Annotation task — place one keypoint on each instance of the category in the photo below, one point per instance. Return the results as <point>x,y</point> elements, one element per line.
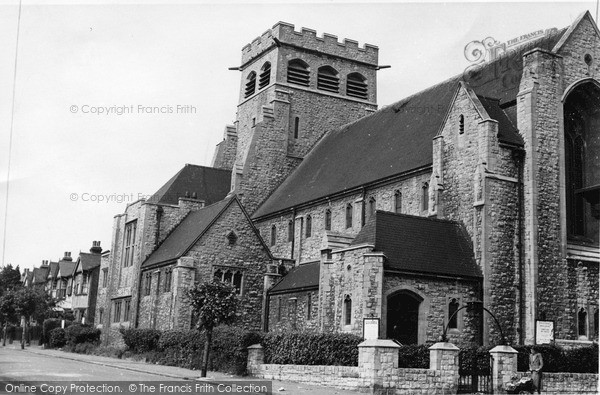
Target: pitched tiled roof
<point>183,237</point>
<point>66,268</point>
<point>89,261</point>
<point>53,270</point>
<point>40,274</point>
<point>420,244</point>
<point>398,138</point>
<point>209,184</point>
<point>302,276</point>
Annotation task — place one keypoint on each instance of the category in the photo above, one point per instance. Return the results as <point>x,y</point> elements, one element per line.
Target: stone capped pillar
<point>377,360</point>
<point>256,357</point>
<point>504,367</point>
<point>443,357</point>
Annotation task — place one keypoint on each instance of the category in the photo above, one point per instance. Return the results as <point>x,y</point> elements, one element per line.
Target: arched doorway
<point>403,317</point>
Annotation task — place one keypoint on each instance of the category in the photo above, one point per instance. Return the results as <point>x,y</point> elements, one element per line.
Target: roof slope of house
<point>183,237</point>
<point>207,183</point>
<point>40,274</point>
<point>300,277</point>
<point>66,268</point>
<point>398,138</point>
<point>420,244</point>
<point>53,270</point>
<point>89,261</point>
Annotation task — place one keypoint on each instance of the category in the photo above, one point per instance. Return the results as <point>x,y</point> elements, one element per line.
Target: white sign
<point>371,328</point>
<point>544,332</point>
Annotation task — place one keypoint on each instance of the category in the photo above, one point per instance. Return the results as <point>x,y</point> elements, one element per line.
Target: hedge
<point>556,359</point>
<point>298,348</point>
<point>57,338</point>
<point>78,334</point>
<point>414,356</point>
<point>180,348</point>
<point>140,340</point>
<point>229,349</point>
<point>48,325</point>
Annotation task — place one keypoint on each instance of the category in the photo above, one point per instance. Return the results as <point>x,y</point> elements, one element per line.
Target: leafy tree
<point>214,304</point>
<point>8,313</point>
<point>9,278</point>
<point>31,304</point>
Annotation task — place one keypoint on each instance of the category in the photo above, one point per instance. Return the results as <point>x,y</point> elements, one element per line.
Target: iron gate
<point>475,372</point>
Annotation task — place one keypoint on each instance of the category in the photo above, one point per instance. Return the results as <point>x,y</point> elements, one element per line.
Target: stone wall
<point>567,383</point>
<point>289,312</point>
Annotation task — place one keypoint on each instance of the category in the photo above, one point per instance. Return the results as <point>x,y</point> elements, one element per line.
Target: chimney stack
<point>44,263</point>
<point>96,249</point>
<point>67,256</point>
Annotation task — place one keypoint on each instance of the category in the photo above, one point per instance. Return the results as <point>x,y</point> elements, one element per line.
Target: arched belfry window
<point>273,235</point>
<point>372,207</point>
<point>250,85</point>
<point>356,86</point>
<point>425,197</point>
<point>265,75</point>
<point>298,72</point>
<point>348,215</point>
<point>582,169</point>
<point>308,226</point>
<point>398,202</point>
<point>327,79</point>
<point>328,219</point>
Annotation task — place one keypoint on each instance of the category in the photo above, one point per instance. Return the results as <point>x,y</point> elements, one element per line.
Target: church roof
<point>209,184</point>
<point>185,235</point>
<point>421,245</point>
<point>89,261</point>
<point>398,138</point>
<point>299,278</point>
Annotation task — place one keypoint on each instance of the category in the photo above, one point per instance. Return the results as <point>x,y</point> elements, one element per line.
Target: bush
<point>48,325</point>
<point>229,349</point>
<point>581,360</point>
<point>57,338</point>
<point>553,358</point>
<point>140,340</point>
<point>414,356</point>
<point>85,348</point>
<point>181,348</point>
<point>300,348</point>
<point>77,334</point>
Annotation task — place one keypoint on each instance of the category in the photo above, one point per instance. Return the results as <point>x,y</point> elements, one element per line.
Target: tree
<point>30,304</point>
<point>8,313</point>
<point>214,304</point>
<point>9,278</point>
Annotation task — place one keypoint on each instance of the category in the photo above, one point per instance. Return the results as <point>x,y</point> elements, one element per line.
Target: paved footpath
<point>171,373</point>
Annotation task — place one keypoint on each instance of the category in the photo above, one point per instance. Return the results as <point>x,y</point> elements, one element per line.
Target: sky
<point>72,169</point>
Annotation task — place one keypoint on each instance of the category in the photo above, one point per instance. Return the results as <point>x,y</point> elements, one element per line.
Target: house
<point>85,279</point>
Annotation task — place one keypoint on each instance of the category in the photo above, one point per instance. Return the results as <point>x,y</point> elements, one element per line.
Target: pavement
<point>176,373</point>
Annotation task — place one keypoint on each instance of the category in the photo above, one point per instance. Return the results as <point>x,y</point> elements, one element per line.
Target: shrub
<point>229,349</point>
<point>77,334</point>
<point>140,340</point>
<point>57,338</point>
<point>85,348</point>
<point>181,348</point>
<point>301,348</point>
<point>48,325</point>
<point>581,360</point>
<point>553,358</point>
<point>414,356</point>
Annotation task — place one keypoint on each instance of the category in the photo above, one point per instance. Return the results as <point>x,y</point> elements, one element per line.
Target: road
<point>34,366</point>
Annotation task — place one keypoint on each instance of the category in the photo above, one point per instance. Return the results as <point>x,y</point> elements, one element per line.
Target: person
<point>536,363</point>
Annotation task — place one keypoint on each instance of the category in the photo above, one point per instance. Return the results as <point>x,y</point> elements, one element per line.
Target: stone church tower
<point>295,87</point>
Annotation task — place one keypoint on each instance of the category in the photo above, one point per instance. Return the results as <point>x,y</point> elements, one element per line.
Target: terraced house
<point>483,188</point>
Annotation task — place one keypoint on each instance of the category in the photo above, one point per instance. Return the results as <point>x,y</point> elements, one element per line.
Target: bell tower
<point>295,87</point>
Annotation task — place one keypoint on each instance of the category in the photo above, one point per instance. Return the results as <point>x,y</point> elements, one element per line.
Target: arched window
<point>298,72</point>
<point>347,310</point>
<point>582,322</point>
<point>452,316</point>
<point>308,226</point>
<point>596,324</point>
<point>250,84</point>
<point>218,275</point>
<point>227,276</point>
<point>398,202</point>
<point>372,207</point>
<point>290,230</point>
<point>356,86</point>
<point>237,282</point>
<point>327,79</point>
<point>461,124</point>
<point>348,215</point>
<point>265,75</point>
<point>296,127</point>
<point>328,219</point>
<point>425,197</point>
<point>273,235</point>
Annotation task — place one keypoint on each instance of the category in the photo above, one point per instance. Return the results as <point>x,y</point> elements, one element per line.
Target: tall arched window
<point>425,197</point>
<point>290,230</point>
<point>250,85</point>
<point>452,316</point>
<point>348,215</point>
<point>398,202</point>
<point>328,219</point>
<point>218,275</point>
<point>372,207</point>
<point>273,235</point>
<point>265,75</point>
<point>461,124</point>
<point>308,226</point>
<point>296,127</point>
<point>582,322</point>
<point>347,310</point>
<point>356,86</point>
<point>237,282</point>
<point>327,79</point>
<point>298,72</point>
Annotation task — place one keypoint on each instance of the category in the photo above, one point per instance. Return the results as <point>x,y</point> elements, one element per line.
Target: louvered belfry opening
<point>250,84</point>
<point>328,80</point>
<point>265,75</point>
<point>298,72</point>
<point>356,86</point>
